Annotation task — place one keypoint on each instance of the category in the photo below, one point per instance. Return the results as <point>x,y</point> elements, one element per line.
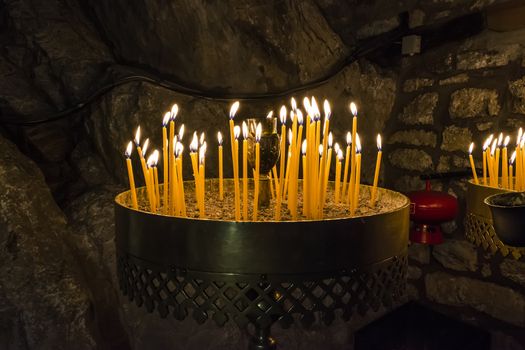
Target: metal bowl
<point>508,216</point>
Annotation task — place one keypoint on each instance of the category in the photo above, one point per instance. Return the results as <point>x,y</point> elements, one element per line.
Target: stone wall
<point>449,97</point>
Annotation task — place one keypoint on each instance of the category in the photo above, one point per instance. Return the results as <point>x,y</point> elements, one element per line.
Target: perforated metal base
<point>479,230</point>
<point>261,299</point>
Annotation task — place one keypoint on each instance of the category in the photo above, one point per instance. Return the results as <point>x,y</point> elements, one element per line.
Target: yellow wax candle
<point>347,161</point>
<point>305,178</point>
<point>275,180</point>
<point>233,111</point>
<point>290,166</point>
<point>202,181</point>
<point>131,178</point>
<point>245,171</point>
<point>237,132</point>
<point>165,162</point>
<point>258,133</point>
<point>282,164</point>
<point>151,183</point>
<point>355,202</point>
<point>472,165</point>
<point>180,181</point>
<point>272,186</point>
<point>351,185</point>
<point>511,170</point>
<point>484,167</point>
<point>505,163</point>
<point>173,186</point>
<point>157,189</point>
<point>373,195</point>
<point>517,180</point>
<point>311,169</point>
<point>194,146</point>
<point>295,163</point>
<point>326,173</point>
<point>142,152</point>
<point>493,178</point>
<point>338,176</point>
<point>221,182</point>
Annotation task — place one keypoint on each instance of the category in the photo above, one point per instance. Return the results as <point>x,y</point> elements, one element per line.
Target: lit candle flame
<point>153,159</point>
<point>520,134</point>
<point>306,104</point>
<point>379,142</point>
<point>471,148</point>
<point>282,114</point>
<point>269,115</point>
<point>237,131</point>
<point>244,130</point>
<point>337,148</point>
<point>219,138</point>
<point>174,111</point>
<point>303,148</point>
<point>166,119</point>
<point>357,143</point>
<point>194,145</point>
<point>327,110</point>
<point>353,109</point>
<point>494,145</point>
<point>506,142</point>
<point>512,158</point>
<point>330,140</point>
<point>315,110</point>
<point>290,136</point>
<point>137,137</point>
<point>293,103</point>
<point>179,148</point>
<point>202,153</point>
<point>233,109</point>
<point>486,144</point>
<point>129,149</point>
<point>181,132</point>
<point>258,132</point>
<point>299,116</point>
<point>291,115</point>
<point>174,142</point>
<point>500,139</point>
<point>349,138</point>
<point>145,147</point>
<point>320,150</point>
<point>201,140</point>
<point>340,155</point>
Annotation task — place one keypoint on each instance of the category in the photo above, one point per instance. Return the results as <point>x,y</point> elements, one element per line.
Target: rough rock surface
<point>456,139</point>
<point>419,253</point>
<point>474,102</point>
<point>412,85</point>
<point>411,159</point>
<point>420,111</point>
<point>517,90</point>
<point>413,137</point>
<point>455,79</point>
<point>499,302</point>
<point>457,255</point>
<point>478,60</point>
<point>513,270</point>
<point>45,303</point>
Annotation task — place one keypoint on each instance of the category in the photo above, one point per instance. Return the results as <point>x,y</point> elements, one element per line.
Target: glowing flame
<point>290,136</point>
<point>330,139</point>
<point>353,109</point>
<point>258,132</point>
<point>201,140</point>
<point>202,153</point>
<point>486,144</point>
<point>292,115</point>
<point>349,138</point>
<point>299,117</point>
<point>357,143</point>
<point>282,114</point>
<point>315,110</point>
<point>494,145</point>
<point>337,148</point>
<point>166,119</point>
<point>520,134</point>
<point>340,155</point>
<point>174,111</point>
<point>181,132</point>
<point>506,142</point>
<point>471,148</point>
<point>303,148</point>
<point>244,130</point>
<point>137,137</point>
<point>237,131</point>
<point>293,103</point>
<point>320,150</point>
<point>379,142</point>
<point>153,159</point>
<point>306,104</point>
<point>269,115</point>
<point>194,145</point>
<point>500,139</point>
<point>233,109</point>
<point>145,147</point>
<point>179,148</point>
<point>129,149</point>
<point>512,158</point>
<point>327,110</point>
<point>219,138</point>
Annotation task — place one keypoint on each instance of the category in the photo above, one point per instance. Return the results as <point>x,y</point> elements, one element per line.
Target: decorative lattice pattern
<point>261,300</point>
<point>480,231</point>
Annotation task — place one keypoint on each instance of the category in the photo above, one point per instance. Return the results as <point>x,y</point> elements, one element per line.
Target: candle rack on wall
<point>260,273</point>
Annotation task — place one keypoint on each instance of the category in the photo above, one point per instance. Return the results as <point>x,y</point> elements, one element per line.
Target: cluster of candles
<point>310,143</point>
<point>498,169</point>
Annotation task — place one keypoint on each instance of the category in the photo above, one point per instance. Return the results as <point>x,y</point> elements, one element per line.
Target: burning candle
<point>505,163</point>
<point>326,171</point>
<point>355,202</point>
<point>173,115</point>
<point>511,161</point>
<point>156,177</point>
<point>236,134</point>
<point>244,171</point>
<point>151,180</point>
<point>221,184</point>
<point>376,173</point>
<point>518,160</point>
<point>305,178</point>
<point>351,186</point>
<point>165,161</point>
<point>194,147</point>
<point>486,144</point>
<point>131,178</point>
<point>145,169</point>
<point>202,179</point>
<point>233,110</point>
<point>493,179</point>
<point>347,159</point>
<point>339,155</point>
<point>472,166</point>
<point>288,161</point>
<point>258,133</point>
<point>179,149</point>
<point>173,183</point>
<point>496,163</point>
<point>282,116</point>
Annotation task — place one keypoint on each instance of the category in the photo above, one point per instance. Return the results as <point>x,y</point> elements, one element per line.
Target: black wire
<point>199,93</point>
